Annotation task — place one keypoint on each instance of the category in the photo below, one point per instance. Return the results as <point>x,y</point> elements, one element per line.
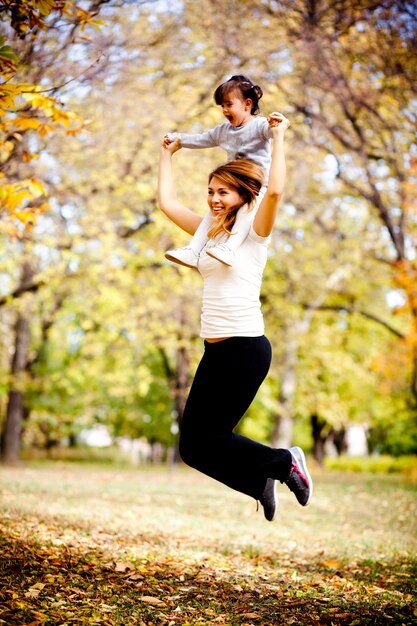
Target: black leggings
<point>226,381</point>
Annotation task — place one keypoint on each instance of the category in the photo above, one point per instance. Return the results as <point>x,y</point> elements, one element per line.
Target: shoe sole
<point>301,460</point>
<point>217,259</point>
<point>276,500</point>
<point>174,260</point>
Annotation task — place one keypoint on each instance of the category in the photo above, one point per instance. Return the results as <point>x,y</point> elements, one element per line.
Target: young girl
<point>244,135</point>
<point>237,355</point>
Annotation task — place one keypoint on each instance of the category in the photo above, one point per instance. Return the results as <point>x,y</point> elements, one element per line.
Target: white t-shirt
<point>231,295</point>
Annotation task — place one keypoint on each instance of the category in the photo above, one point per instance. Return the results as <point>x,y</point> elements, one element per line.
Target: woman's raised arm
<point>167,195</point>
<point>266,214</point>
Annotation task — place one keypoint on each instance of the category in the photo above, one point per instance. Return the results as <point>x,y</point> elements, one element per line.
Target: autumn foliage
<point>28,109</point>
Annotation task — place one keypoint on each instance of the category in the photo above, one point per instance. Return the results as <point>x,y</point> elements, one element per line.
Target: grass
<point>92,545</point>
<point>384,463</point>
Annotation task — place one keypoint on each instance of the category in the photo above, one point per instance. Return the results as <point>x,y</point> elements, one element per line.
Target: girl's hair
<point>247,177</point>
<point>244,87</point>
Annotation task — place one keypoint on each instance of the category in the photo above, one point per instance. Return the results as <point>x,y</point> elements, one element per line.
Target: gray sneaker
<point>269,500</point>
<point>183,256</point>
<point>299,481</point>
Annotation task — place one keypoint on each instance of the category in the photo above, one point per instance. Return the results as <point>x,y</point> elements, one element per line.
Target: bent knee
<point>188,452</point>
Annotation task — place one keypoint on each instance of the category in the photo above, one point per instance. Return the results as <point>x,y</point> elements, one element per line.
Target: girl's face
<point>236,110</point>
<point>222,198</point>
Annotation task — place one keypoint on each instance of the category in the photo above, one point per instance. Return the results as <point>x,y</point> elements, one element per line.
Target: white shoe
<point>222,253</point>
<point>183,256</point>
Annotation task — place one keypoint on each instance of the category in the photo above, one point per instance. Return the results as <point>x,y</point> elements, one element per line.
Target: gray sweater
<point>250,141</point>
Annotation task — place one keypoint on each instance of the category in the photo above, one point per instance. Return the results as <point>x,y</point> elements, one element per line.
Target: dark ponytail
<point>244,86</point>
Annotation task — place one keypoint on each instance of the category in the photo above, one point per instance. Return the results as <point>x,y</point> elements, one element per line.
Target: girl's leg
<point>225,251</point>
<point>237,367</point>
<point>188,255</point>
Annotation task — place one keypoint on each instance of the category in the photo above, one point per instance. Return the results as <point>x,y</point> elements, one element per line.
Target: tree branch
<point>351,310</point>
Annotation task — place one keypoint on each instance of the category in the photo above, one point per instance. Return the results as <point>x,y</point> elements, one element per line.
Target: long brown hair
<point>247,178</point>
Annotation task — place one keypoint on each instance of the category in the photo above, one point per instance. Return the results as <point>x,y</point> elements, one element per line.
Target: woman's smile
<point>221,198</point>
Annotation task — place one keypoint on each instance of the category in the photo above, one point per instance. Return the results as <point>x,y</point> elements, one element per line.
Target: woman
<point>237,354</point>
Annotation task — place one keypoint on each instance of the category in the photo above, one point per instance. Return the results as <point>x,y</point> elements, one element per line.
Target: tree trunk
<point>319,438</point>
<point>414,378</point>
<point>12,429</point>
<point>283,427</point>
<point>181,386</point>
<point>15,413</point>
<point>339,440</point>
<point>293,331</point>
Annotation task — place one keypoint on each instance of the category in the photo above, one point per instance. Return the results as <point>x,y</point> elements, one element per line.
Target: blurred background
<point>99,334</point>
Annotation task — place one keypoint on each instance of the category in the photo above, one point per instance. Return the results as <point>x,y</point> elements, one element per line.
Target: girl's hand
<point>171,147</point>
<point>167,139</point>
<point>278,120</point>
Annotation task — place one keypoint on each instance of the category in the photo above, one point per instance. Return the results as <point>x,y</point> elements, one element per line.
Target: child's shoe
<point>183,256</point>
<point>222,253</point>
<point>299,481</point>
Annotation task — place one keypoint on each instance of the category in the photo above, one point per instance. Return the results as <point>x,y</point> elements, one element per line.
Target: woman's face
<point>222,198</point>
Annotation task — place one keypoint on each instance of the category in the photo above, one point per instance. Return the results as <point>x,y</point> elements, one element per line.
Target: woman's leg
<point>226,381</point>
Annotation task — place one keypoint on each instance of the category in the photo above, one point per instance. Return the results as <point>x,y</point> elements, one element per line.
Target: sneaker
<point>269,500</point>
<point>299,481</point>
<point>183,256</point>
<point>222,253</point>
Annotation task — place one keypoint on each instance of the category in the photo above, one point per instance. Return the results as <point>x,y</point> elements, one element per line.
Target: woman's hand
<point>279,121</point>
<point>171,147</point>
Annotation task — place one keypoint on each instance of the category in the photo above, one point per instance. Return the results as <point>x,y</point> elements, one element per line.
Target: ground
<point>165,546</point>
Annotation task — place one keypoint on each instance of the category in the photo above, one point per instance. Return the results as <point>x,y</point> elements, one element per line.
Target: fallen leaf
<point>135,576</point>
<point>152,600</point>
<point>332,564</point>
<point>123,567</point>
<point>38,586</point>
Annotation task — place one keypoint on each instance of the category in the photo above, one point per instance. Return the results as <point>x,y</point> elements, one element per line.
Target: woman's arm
<point>265,216</point>
<point>167,195</point>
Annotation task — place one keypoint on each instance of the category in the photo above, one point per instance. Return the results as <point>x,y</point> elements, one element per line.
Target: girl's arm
<point>208,139</point>
<point>167,195</point>
<point>265,217</point>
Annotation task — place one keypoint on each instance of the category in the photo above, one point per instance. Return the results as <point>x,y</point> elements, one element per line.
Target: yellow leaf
<point>332,564</point>
<point>25,217</point>
<point>38,586</point>
<point>24,123</point>
<point>44,130</point>
<point>36,188</point>
<point>26,156</point>
<point>44,6</point>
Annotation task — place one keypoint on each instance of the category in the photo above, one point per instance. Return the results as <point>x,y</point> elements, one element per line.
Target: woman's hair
<point>244,87</point>
<point>247,177</point>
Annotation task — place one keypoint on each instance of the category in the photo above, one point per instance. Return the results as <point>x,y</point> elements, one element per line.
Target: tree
<point>27,108</point>
<point>27,117</point>
<point>356,98</point>
<point>123,345</point>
